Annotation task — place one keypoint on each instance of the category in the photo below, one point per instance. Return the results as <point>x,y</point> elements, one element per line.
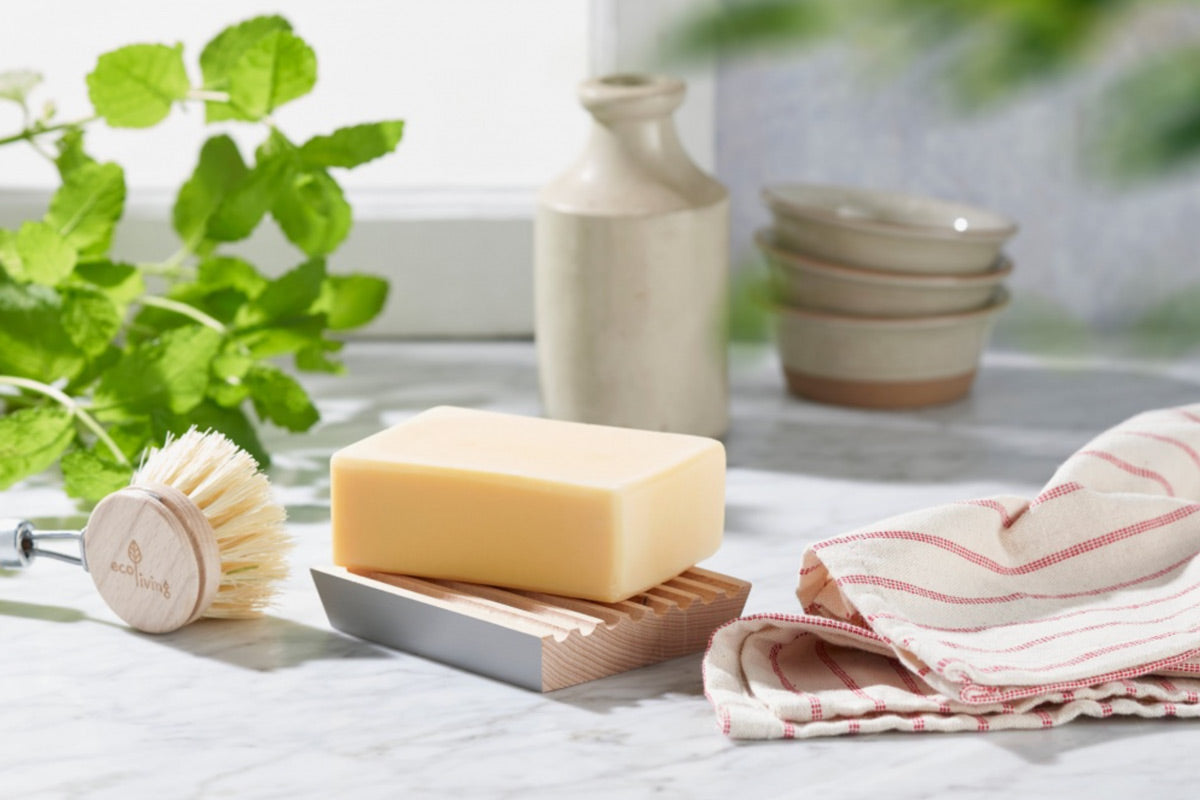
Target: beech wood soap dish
<point>539,641</point>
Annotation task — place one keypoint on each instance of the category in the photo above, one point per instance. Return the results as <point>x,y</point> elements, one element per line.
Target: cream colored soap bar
<point>560,507</point>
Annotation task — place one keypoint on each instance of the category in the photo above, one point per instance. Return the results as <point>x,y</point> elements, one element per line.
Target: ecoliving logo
<point>142,582</point>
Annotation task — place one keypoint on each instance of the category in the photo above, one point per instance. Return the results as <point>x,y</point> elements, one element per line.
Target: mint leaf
<point>218,170</point>
<point>220,55</point>
<point>352,300</point>
<point>280,399</point>
<point>134,87</point>
<point>91,319</point>
<point>279,338</point>
<point>10,261</point>
<point>169,372</point>
<point>349,147</point>
<point>45,355</point>
<point>87,206</point>
<point>121,282</point>
<point>313,358</point>
<point>31,440</point>
<point>228,369</point>
<point>229,272</point>
<point>16,84</point>
<point>37,254</point>
<point>276,69</point>
<point>243,207</point>
<point>313,213</point>
<point>89,475</point>
<point>230,421</point>
<point>289,295</point>
<point>71,155</point>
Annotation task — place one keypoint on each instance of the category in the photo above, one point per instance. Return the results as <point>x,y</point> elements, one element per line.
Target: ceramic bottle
<point>632,271</point>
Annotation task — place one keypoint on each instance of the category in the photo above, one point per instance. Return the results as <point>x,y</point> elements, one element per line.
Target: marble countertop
<point>285,706</point>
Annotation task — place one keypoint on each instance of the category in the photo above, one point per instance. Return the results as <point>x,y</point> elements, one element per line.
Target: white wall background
<point>487,88</point>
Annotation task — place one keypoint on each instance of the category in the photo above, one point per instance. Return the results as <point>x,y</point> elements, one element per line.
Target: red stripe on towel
<point>1132,469</point>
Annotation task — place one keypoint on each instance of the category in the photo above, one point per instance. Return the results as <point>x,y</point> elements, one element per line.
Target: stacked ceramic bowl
<point>884,300</point>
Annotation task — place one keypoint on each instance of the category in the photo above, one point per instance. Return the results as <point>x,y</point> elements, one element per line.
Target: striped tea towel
<point>995,613</point>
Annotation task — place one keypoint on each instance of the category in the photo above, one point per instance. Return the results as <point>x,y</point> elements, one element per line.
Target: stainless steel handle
<point>16,543</point>
<point>19,542</point>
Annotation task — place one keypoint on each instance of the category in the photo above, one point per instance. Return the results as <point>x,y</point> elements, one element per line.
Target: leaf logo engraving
<point>135,552</point>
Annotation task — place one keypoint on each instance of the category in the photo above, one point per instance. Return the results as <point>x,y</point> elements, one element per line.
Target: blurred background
<point>1079,118</point>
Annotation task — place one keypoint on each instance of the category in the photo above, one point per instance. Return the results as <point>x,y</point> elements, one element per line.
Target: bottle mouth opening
<point>629,80</point>
<point>631,95</point>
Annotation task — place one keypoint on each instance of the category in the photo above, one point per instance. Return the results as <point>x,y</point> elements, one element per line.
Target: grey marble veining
<point>287,707</point>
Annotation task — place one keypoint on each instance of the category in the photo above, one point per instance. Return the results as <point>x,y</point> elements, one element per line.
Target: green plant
<point>97,367</point>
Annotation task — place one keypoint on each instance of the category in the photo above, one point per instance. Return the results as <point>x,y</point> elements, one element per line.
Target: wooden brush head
<point>153,557</point>
<point>197,534</point>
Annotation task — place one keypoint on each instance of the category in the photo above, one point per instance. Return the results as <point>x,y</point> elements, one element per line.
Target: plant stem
<point>184,309</point>
<point>170,267</point>
<point>76,410</point>
<point>38,129</point>
<point>208,94</point>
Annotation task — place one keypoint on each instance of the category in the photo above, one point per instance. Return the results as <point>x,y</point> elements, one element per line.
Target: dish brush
<point>195,534</point>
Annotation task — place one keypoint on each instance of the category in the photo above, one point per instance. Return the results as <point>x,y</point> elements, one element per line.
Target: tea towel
<point>988,614</point>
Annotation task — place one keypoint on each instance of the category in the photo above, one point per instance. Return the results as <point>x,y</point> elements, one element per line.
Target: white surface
<point>285,707</point>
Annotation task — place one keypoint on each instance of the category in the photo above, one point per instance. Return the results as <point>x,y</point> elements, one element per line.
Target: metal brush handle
<point>19,542</point>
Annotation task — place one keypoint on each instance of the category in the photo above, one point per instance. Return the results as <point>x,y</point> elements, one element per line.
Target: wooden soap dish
<point>539,641</point>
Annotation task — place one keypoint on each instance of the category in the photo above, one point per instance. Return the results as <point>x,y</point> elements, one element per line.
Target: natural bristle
<point>226,484</point>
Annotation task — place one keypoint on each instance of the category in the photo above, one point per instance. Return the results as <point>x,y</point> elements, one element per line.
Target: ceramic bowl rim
<point>791,260</point>
<point>783,207</point>
<point>999,302</point>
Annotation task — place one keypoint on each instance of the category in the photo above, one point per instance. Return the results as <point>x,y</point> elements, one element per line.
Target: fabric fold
<point>1002,612</point>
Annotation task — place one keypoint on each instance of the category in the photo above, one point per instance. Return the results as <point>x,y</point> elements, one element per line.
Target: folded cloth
<point>995,613</point>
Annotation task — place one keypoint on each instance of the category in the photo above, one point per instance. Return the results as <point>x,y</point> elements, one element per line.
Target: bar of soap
<point>565,508</point>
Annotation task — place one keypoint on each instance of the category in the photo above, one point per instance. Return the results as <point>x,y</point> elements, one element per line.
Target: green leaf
<point>276,69</point>
<point>349,147</point>
<point>220,55</point>
<point>313,213</point>
<point>289,295</point>
<point>87,206</point>
<point>41,255</point>
<point>229,272</point>
<point>279,338</point>
<point>133,436</point>
<point>121,282</point>
<point>169,372</point>
<point>228,369</point>
<point>71,155</point>
<point>230,421</point>
<point>91,319</point>
<point>243,207</point>
<point>93,368</point>
<point>33,342</point>
<point>352,300</point>
<point>89,475</point>
<point>16,84</point>
<point>218,170</point>
<point>134,87</point>
<point>313,358</point>
<point>280,399</point>
<point>31,440</point>
<point>10,260</point>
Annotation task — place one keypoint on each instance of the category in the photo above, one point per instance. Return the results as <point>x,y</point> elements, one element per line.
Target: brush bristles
<point>225,483</point>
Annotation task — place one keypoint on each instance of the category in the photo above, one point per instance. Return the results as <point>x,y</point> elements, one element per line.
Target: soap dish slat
<point>538,641</point>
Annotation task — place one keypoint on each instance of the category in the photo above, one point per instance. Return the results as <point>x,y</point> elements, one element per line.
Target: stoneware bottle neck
<point>633,117</point>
